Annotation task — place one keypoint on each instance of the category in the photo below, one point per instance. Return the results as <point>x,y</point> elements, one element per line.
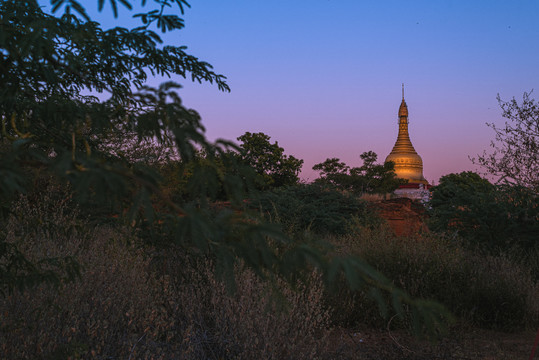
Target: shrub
<point>487,217</point>
<point>314,208</point>
<point>489,291</point>
<point>102,313</point>
<point>250,323</point>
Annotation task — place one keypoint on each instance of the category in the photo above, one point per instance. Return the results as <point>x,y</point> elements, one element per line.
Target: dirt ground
<point>469,344</point>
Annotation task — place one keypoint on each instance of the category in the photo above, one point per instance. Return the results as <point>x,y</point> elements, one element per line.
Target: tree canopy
<point>268,160</point>
<point>47,65</point>
<point>368,178</point>
<point>485,215</point>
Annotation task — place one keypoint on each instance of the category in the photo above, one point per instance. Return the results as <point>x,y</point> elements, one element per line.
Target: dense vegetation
<point>314,209</point>
<point>146,301</point>
<point>272,167</point>
<point>495,218</point>
<point>126,234</point>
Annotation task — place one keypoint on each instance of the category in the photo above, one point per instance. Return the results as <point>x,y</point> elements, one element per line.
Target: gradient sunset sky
<point>323,77</point>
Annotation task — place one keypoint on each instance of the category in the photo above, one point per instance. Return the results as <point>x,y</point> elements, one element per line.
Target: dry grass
<point>252,323</point>
<point>487,291</point>
<point>133,302</point>
<point>122,308</point>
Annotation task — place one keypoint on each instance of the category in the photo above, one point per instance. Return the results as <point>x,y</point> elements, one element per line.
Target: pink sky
<point>323,77</point>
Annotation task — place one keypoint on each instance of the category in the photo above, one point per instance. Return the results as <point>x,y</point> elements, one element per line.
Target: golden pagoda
<point>408,164</point>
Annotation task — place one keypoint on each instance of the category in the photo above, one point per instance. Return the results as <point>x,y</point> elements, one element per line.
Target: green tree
<point>368,178</point>
<point>49,68</point>
<point>486,216</point>
<point>333,172</point>
<point>515,156</point>
<point>275,169</point>
<point>451,200</point>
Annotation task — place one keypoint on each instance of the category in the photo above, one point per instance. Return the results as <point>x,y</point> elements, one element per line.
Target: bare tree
<point>515,156</point>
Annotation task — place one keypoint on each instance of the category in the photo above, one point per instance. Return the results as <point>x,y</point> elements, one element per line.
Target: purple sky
<point>323,77</point>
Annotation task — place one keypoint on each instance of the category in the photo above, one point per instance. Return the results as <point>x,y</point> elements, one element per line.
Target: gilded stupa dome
<point>408,163</point>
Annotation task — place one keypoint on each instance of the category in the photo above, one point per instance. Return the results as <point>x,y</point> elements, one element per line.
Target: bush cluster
<point>133,300</point>
<point>487,217</point>
<point>493,290</point>
<point>481,290</point>
<point>315,208</point>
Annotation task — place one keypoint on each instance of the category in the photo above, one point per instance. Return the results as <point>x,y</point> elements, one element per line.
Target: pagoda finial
<point>403,109</point>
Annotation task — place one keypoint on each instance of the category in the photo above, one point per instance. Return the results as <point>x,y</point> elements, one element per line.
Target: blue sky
<point>323,77</point>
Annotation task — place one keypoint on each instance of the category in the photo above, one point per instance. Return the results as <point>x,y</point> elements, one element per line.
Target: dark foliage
<point>494,218</point>
<point>483,290</point>
<point>314,208</point>
<point>50,128</point>
<point>369,178</point>
<point>274,168</point>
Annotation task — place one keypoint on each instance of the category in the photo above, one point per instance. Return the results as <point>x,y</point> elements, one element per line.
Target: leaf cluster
<point>19,273</point>
<point>164,21</point>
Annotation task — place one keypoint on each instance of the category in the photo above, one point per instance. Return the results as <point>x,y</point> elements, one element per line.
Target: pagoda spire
<point>408,164</point>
